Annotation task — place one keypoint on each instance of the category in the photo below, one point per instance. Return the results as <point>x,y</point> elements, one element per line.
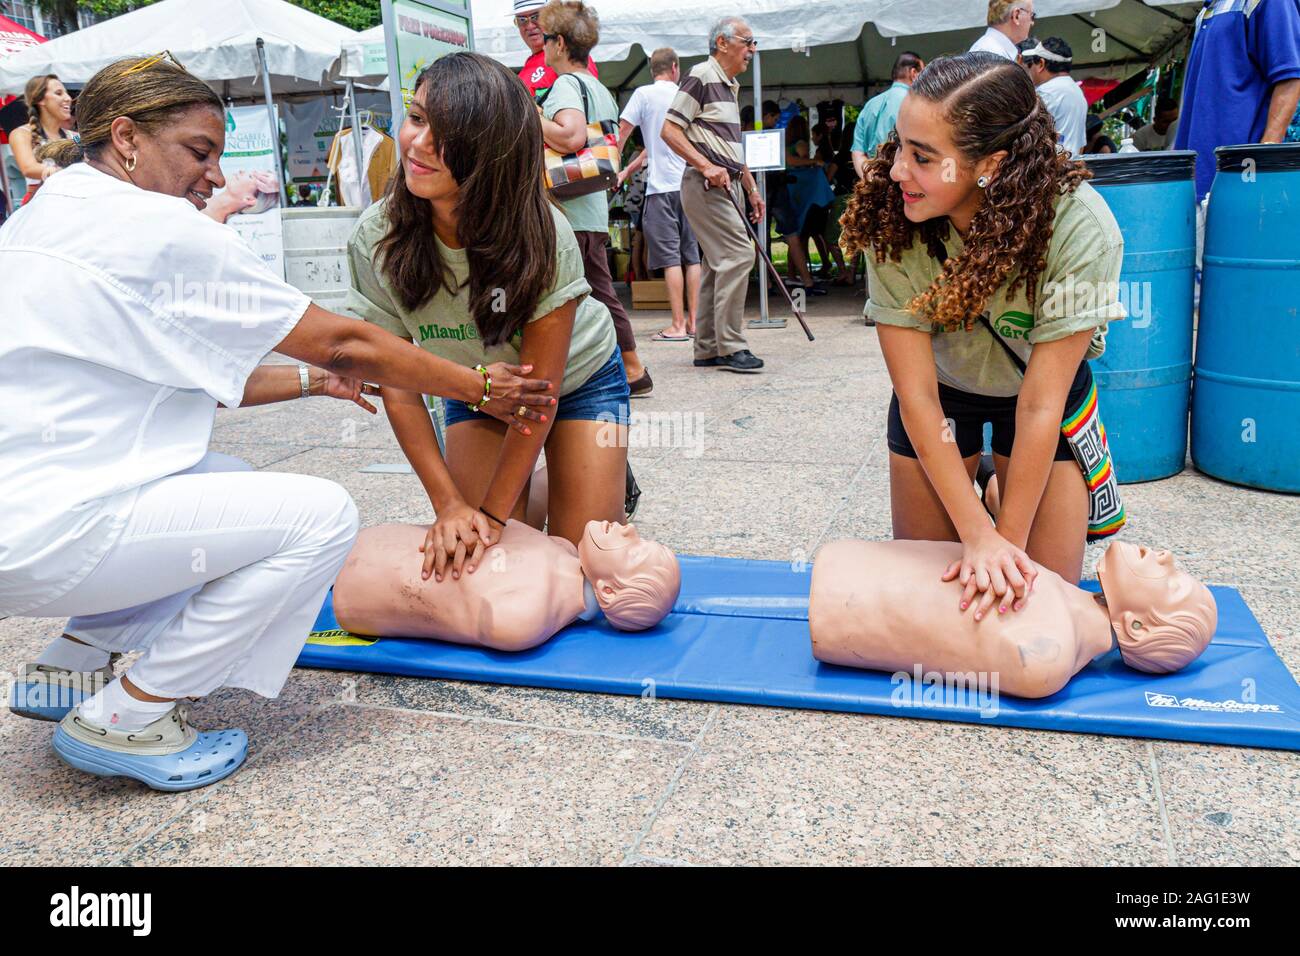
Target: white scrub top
<point>128,316</point>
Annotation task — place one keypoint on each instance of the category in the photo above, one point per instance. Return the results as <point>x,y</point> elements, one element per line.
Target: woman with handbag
<point>468,258</point>
<point>576,101</point>
<point>993,271</point>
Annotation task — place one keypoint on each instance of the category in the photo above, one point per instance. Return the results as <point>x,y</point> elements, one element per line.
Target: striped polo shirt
<point>706,108</point>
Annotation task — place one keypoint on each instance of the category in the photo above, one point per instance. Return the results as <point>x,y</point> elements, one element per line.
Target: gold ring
<point>520,413</point>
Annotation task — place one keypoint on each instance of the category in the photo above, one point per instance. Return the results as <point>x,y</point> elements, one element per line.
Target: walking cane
<point>771,268</point>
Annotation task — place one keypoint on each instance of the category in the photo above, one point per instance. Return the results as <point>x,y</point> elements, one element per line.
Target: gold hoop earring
<point>129,165</point>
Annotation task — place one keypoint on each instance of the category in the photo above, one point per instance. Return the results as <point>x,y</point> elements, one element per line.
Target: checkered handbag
<point>1086,436</point>
<point>592,169</point>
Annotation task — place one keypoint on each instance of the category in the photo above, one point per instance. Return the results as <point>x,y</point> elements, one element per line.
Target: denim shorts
<point>603,397</point>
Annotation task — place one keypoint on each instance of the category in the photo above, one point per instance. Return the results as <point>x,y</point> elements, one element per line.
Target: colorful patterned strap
<point>1086,435</point>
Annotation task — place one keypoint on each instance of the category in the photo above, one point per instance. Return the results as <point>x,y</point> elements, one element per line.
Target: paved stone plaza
<point>357,768</point>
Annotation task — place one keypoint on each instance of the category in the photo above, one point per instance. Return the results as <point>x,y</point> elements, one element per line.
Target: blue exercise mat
<point>739,634</point>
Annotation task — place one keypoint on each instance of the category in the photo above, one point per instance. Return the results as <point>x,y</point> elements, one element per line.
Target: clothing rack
<point>349,108</point>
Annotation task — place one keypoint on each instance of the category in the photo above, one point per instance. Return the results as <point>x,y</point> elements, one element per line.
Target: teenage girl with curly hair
<point>974,224</point>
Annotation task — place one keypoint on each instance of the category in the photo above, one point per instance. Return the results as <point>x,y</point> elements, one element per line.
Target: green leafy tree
<point>357,14</point>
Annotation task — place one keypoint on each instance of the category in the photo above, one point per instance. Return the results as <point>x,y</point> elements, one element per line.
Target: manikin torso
<point>527,588</point>
<point>881,605</point>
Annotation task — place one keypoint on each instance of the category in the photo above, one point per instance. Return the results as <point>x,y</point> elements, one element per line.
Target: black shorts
<point>969,412</point>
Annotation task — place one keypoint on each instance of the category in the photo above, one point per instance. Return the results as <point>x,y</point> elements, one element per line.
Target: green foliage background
<point>357,14</point>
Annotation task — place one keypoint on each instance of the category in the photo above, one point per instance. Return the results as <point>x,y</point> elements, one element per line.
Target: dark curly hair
<point>991,105</point>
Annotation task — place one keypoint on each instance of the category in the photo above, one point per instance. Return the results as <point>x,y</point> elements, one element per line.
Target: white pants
<point>218,575</point>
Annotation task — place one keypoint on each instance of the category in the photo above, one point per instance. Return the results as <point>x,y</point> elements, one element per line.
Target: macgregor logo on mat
<point>1214,706</point>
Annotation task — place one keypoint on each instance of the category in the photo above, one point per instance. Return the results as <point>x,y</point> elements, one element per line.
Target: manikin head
<point>1163,617</point>
<point>636,581</point>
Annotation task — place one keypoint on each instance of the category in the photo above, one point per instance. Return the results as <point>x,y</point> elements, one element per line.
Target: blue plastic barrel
<point>1144,377</point>
<point>1246,403</point>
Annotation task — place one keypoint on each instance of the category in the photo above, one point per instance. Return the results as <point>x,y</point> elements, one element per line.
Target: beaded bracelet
<point>487,388</point>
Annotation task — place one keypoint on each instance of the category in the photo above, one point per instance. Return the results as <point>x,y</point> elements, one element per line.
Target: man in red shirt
<point>537,76</point>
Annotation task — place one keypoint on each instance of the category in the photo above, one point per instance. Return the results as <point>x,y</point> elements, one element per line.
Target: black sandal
<point>632,497</point>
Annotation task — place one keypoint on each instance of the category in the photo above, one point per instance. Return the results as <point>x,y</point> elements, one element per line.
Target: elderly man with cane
<point>703,128</point>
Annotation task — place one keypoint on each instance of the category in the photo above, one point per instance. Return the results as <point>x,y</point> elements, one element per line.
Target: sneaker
<point>707,363</point>
<point>642,387</point>
<point>742,361</point>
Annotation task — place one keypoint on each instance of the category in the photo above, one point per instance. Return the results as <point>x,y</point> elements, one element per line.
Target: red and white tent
<point>14,38</point>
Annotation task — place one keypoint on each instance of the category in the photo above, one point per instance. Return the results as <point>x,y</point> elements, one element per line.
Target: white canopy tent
<point>835,47</point>
<point>215,41</point>
<point>824,44</point>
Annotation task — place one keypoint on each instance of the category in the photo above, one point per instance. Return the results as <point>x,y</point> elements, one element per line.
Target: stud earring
<point>982,182</point>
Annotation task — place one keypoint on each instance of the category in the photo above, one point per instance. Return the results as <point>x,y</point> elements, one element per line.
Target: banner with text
<point>249,163</point>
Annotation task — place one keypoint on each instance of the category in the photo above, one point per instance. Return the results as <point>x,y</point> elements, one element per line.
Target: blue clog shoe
<point>169,754</point>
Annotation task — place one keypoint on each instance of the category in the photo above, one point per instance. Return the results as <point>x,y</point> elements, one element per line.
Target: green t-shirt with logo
<point>443,325</point>
<point>1078,290</point>
<point>589,213</point>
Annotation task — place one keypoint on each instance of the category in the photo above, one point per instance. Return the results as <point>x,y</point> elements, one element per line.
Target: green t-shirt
<point>443,325</point>
<point>1078,290</point>
<point>589,213</point>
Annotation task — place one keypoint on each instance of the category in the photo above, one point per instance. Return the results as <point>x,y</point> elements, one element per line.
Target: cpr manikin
<point>881,605</point>
<point>527,587</point>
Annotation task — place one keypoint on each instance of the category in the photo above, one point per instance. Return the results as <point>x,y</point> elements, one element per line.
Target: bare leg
<point>586,471</point>
<point>823,252</point>
<point>472,451</point>
<point>797,263</point>
<point>587,475</point>
<point>538,499</point>
<point>692,296</point>
<point>918,512</point>
<point>1059,534</point>
<point>676,300</point>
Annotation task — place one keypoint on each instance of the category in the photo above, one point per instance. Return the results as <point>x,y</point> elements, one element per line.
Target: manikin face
<point>609,551</point>
<point>183,159</point>
<point>426,175</point>
<point>1138,581</point>
<point>636,581</point>
<point>935,178</point>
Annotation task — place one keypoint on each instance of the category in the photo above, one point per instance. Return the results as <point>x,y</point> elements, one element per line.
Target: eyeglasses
<point>748,41</point>
<point>151,60</point>
<point>526,18</point>
<point>548,37</point>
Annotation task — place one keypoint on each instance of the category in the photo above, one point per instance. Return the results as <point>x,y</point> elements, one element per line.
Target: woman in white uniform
<point>128,320</point>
